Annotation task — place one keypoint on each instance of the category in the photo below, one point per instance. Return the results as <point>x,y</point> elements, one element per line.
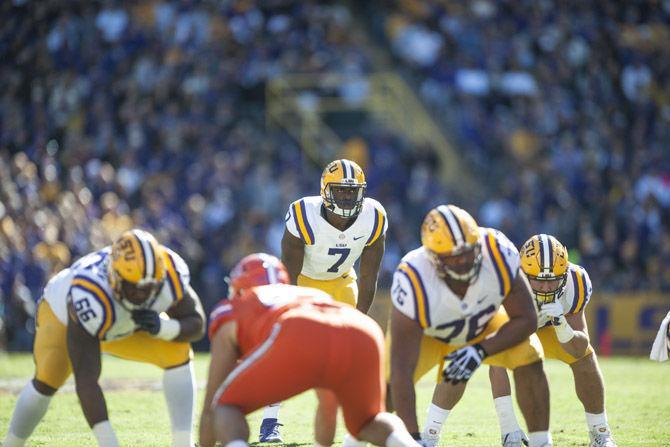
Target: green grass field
<point>638,406</point>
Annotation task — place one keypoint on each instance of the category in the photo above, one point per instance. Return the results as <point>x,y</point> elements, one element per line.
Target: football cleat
<point>514,439</point>
<point>429,441</point>
<point>544,260</point>
<point>270,431</point>
<point>451,237</point>
<point>601,438</point>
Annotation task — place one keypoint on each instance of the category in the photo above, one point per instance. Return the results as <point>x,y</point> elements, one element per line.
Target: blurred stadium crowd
<point>117,114</point>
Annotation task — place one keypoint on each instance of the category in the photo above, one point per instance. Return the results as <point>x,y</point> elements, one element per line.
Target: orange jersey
<point>257,310</point>
<point>296,338</point>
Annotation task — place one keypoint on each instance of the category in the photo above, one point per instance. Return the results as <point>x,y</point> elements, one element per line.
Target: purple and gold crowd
<point>116,114</point>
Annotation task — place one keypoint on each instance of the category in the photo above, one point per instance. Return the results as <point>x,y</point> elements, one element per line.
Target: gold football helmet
<point>451,237</point>
<point>137,270</point>
<point>544,260</point>
<point>342,188</point>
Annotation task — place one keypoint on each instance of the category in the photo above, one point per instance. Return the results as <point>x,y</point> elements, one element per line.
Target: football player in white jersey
<point>324,236</point>
<point>562,290</point>
<point>132,300</point>
<point>447,301</point>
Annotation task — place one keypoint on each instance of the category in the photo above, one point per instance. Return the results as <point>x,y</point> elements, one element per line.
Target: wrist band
<point>169,330</point>
<point>564,332</point>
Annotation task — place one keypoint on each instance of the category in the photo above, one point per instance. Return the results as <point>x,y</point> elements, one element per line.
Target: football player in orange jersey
<point>255,336</point>
<point>325,235</point>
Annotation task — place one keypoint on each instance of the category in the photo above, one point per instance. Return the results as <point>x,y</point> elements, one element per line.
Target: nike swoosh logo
<point>482,299</point>
<point>357,238</point>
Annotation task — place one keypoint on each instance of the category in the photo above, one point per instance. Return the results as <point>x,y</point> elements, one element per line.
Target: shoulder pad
<point>504,257</point>
<point>298,222</point>
<point>380,222</point>
<point>92,305</point>
<point>222,313</point>
<point>581,286</point>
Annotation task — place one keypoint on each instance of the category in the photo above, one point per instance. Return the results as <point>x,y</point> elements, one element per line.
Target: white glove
<point>554,313</point>
<point>463,364</point>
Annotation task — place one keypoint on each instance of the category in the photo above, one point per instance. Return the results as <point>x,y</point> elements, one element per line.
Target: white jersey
<point>419,293</point>
<point>330,253</point>
<point>575,295</point>
<point>86,285</point>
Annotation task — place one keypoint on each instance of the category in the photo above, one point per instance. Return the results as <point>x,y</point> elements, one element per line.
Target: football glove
<point>147,320</point>
<point>463,364</point>
<point>553,312</point>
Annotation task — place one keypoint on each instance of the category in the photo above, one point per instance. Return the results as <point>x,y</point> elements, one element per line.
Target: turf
<point>637,406</point>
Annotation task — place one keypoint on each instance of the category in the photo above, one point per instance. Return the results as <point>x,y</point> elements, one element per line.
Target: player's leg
<point>343,290</point>
<point>532,394</point>
<point>510,432</point>
<point>361,390</point>
<point>179,386</point>
<point>325,421</point>
<point>230,426</point>
<point>590,390</point>
<point>447,395</point>
<point>269,431</point>
<point>589,385</point>
<point>52,368</point>
<point>387,430</point>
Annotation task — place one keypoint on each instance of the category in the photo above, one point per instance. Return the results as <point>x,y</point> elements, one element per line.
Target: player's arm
<point>190,316</point>
<point>371,260</point>
<point>224,355</point>
<point>292,254</point>
<point>185,320</point>
<point>579,343</point>
<point>84,351</point>
<point>522,318</point>
<point>405,342</point>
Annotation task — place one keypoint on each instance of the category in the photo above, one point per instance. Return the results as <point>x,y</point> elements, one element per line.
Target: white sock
<point>237,443</point>
<point>13,441</point>
<point>539,439</point>
<point>179,390</point>
<point>351,441</point>
<point>506,416</point>
<point>400,438</point>
<point>272,411</point>
<point>596,420</point>
<point>316,444</point>
<point>434,421</point>
<point>28,412</point>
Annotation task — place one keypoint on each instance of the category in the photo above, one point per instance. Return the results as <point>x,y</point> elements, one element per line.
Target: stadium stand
<point>119,113</point>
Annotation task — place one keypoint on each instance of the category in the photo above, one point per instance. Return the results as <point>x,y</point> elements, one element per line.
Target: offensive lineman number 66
<point>83,309</point>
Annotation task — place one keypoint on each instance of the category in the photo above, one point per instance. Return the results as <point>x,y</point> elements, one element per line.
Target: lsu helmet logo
<point>544,260</point>
<point>137,269</point>
<point>449,232</point>
<point>342,188</point>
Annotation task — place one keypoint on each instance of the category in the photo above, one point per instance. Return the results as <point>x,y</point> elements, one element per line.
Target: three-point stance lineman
<point>131,299</point>
<point>447,298</point>
<point>271,341</point>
